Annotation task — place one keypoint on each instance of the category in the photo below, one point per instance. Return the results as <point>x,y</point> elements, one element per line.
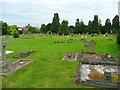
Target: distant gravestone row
<point>28,36</point>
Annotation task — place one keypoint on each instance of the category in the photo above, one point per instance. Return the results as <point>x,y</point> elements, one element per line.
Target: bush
<point>20,32</point>
<point>118,37</point>
<point>16,35</point>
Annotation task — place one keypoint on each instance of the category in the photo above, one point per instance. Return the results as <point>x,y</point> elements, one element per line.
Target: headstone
<point>23,36</point>
<point>5,65</point>
<point>31,36</point>
<point>119,55</point>
<point>86,43</point>
<point>91,46</point>
<point>23,54</point>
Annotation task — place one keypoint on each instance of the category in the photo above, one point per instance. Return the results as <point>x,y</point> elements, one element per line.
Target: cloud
<point>36,12</point>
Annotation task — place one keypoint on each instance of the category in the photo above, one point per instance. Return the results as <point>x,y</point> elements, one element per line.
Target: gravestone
<point>86,43</point>
<point>23,36</point>
<point>31,36</point>
<point>23,54</point>
<point>5,65</point>
<point>119,55</point>
<point>91,46</point>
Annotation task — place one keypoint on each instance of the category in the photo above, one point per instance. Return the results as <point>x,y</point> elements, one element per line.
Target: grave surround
<point>103,65</point>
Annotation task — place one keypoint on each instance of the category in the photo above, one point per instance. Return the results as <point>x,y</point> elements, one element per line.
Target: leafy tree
<point>108,26</point>
<point>48,27</point>
<point>36,30</point>
<point>3,27</point>
<point>95,25</point>
<point>43,28</point>
<point>71,29</point>
<point>64,29</point>
<point>31,30</point>
<point>16,35</point>
<point>103,29</point>
<point>115,23</point>
<point>80,27</point>
<point>55,24</point>
<point>100,26</point>
<point>12,29</point>
<point>20,31</point>
<point>90,26</point>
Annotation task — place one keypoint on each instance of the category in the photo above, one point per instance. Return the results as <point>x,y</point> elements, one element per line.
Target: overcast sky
<point>37,12</point>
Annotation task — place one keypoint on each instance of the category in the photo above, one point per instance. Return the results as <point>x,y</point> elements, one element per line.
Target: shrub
<point>16,35</point>
<point>20,32</point>
<point>118,37</point>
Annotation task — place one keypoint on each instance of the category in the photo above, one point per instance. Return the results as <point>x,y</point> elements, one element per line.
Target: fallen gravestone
<point>109,39</point>
<point>24,54</point>
<point>61,42</point>
<point>70,57</point>
<point>83,40</point>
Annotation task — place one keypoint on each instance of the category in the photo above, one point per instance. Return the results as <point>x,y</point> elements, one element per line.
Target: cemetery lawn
<point>48,69</point>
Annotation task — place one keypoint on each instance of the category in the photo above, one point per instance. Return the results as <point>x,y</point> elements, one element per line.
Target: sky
<point>37,12</point>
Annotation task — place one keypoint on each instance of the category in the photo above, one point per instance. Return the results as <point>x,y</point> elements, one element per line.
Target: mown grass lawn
<point>48,70</point>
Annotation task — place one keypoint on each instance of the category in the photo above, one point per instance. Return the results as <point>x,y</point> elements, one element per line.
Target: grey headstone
<point>91,46</point>
<point>23,54</point>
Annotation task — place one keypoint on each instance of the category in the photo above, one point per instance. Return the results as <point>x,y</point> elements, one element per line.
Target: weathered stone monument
<point>5,65</point>
<point>91,46</point>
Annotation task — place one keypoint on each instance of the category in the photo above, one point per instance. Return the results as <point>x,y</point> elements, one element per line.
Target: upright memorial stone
<point>5,65</point>
<point>119,55</point>
<point>91,46</point>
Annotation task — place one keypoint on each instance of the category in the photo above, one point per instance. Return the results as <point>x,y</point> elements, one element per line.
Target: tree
<point>63,29</point>
<point>80,27</point>
<point>31,30</point>
<point>36,30</point>
<point>100,26</point>
<point>108,26</point>
<point>48,27</point>
<point>3,27</point>
<point>55,24</point>
<point>115,23</point>
<point>16,35</point>
<point>20,31</point>
<point>12,29</point>
<point>90,26</point>
<point>71,29</point>
<point>95,25</point>
<point>43,28</point>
